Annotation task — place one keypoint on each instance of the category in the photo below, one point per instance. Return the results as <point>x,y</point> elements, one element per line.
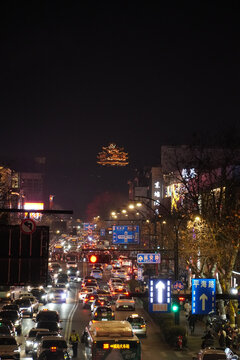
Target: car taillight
<point>85,300</point>
<point>95,314</point>
<point>143,326</point>
<point>53,349</point>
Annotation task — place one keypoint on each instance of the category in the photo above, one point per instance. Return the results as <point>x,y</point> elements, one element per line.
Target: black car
<point>15,317</point>
<point>47,315</point>
<point>54,354</point>
<point>40,295</point>
<point>4,330</point>
<point>10,324</point>
<point>25,306</point>
<point>50,325</point>
<point>11,307</point>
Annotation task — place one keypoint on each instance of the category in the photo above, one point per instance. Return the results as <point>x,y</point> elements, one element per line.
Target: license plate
<point>104,319</point>
<point>104,314</point>
<point>125,306</point>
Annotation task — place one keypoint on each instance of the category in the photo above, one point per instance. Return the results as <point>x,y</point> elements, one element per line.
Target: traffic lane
<point>153,346</point>
<point>64,310</point>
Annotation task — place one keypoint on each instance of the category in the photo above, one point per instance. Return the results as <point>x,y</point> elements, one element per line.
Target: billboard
<point>23,257</point>
<point>125,234</point>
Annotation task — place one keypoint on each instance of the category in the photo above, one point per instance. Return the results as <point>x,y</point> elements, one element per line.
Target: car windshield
<point>136,320</point>
<point>41,334</point>
<point>4,330</point>
<point>104,309</point>
<point>58,343</point>
<point>46,316</point>
<point>7,341</point>
<point>23,302</point>
<point>51,325</point>
<point>9,314</point>
<point>10,307</point>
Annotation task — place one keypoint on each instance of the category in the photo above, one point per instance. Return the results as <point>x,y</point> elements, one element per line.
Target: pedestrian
<point>74,340</point>
<point>222,338</point>
<point>187,308</point>
<point>191,323</point>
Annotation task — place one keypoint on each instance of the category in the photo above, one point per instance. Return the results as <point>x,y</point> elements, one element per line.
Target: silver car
<point>138,324</point>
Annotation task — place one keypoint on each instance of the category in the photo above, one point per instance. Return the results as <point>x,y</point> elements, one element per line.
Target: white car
<point>9,347</point>
<point>125,302</point>
<point>31,337</point>
<point>83,292</point>
<point>48,342</point>
<point>97,274</point>
<point>57,295</point>
<point>71,264</point>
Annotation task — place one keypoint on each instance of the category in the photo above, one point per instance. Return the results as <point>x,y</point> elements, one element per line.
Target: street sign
<point>126,234</point>
<point>203,296</point>
<point>178,285</point>
<point>148,258</point>
<point>102,232</point>
<point>28,226</point>
<point>159,295</point>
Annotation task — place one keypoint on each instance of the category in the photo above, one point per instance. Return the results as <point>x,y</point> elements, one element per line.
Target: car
<point>90,282</point>
<point>100,301</point>
<point>115,282</point>
<point>34,301</point>
<point>89,298</point>
<point>83,292</point>
<point>5,330</point>
<point>48,342</point>
<point>50,325</point>
<point>54,354</point>
<point>57,295</point>
<point>40,295</point>
<point>103,313</point>
<point>9,324</point>
<point>125,302</point>
<point>119,290</point>
<point>25,306</point>
<point>47,315</point>
<point>72,264</point>
<point>120,273</point>
<point>138,324</point>
<point>215,354</point>
<point>31,337</point>
<point>11,307</point>
<point>15,317</point>
<point>9,346</point>
<point>55,267</point>
<point>38,339</point>
<point>97,274</point>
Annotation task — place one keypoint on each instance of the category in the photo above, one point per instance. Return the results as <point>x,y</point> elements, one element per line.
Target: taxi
<point>138,324</point>
<point>83,292</point>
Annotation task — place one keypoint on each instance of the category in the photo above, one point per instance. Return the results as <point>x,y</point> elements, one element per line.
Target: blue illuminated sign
<point>102,232</point>
<point>203,296</point>
<point>178,285</point>
<point>159,295</point>
<point>126,234</point>
<point>88,226</point>
<point>148,258</point>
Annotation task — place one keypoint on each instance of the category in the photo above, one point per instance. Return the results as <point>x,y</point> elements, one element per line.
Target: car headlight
<point>17,322</point>
<point>64,296</point>
<point>51,296</point>
<point>16,350</point>
<point>29,309</point>
<point>43,297</point>
<point>35,345</point>
<point>8,294</point>
<point>29,342</point>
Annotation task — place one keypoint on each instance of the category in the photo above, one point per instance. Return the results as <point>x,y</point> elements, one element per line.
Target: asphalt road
<point>73,316</point>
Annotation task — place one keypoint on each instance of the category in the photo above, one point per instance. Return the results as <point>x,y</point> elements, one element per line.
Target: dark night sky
<point>78,75</point>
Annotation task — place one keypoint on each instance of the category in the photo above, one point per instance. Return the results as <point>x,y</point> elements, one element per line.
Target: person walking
<point>222,338</point>
<point>191,323</point>
<point>74,340</point>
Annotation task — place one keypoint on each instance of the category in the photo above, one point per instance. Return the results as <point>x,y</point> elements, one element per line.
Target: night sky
<point>77,75</point>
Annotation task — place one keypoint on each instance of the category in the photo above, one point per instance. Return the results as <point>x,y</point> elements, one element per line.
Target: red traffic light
<point>93,259</point>
<point>181,298</point>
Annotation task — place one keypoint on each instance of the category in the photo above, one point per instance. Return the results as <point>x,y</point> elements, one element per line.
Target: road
<point>73,316</point>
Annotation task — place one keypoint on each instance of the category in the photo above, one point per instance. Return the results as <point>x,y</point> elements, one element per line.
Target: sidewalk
<point>193,341</point>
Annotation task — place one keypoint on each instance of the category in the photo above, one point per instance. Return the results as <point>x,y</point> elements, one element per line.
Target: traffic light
<point>93,259</point>
<point>175,307</point>
<point>99,258</point>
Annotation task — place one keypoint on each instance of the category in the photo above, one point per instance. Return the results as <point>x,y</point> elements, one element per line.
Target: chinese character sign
<point>148,258</point>
<point>159,295</point>
<point>203,295</point>
<point>126,234</point>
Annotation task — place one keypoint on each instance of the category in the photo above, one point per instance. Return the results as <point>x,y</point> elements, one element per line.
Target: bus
<point>112,340</point>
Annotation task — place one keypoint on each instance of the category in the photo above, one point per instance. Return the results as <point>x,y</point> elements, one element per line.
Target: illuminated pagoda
<point>112,155</point>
